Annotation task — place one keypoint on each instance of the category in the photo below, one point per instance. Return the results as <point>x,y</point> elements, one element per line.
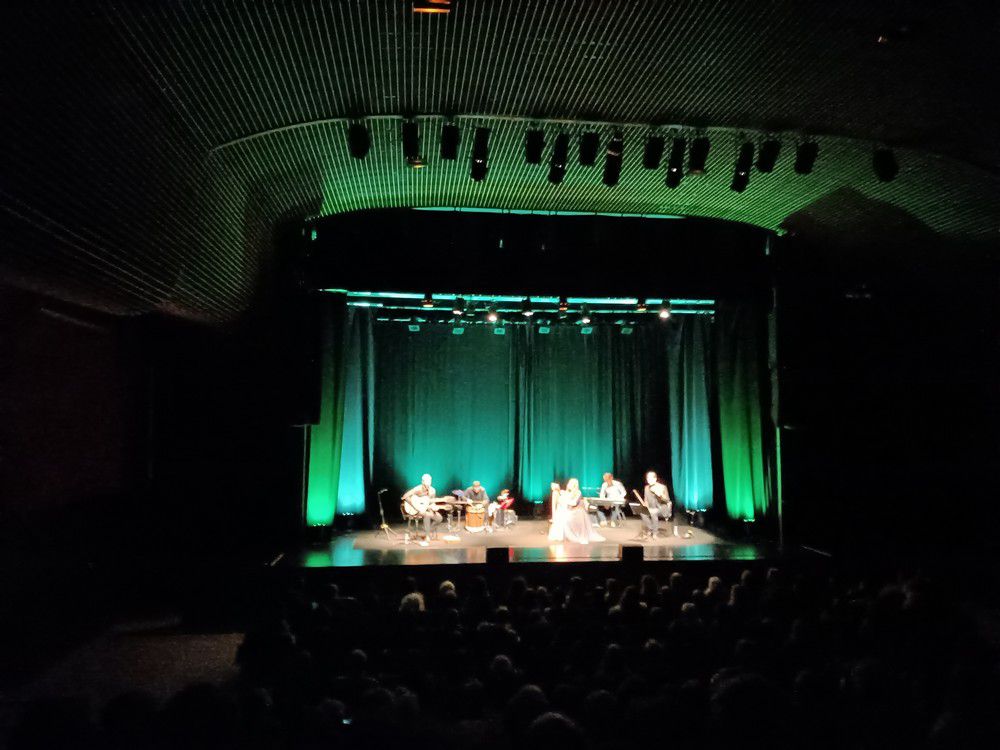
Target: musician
<point>612,489</point>
<point>421,502</point>
<point>476,494</point>
<point>554,492</point>
<point>657,499</point>
<point>498,506</point>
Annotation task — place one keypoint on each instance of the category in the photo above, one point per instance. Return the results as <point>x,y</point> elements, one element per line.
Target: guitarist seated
<point>419,501</point>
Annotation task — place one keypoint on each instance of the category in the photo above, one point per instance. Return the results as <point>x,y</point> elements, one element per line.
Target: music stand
<point>641,510</point>
<point>384,527</point>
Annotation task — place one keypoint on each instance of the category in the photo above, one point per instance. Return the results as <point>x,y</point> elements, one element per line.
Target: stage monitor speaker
<point>497,555</point>
<point>632,554</point>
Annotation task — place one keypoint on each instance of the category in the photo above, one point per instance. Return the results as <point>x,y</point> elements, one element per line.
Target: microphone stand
<point>384,527</point>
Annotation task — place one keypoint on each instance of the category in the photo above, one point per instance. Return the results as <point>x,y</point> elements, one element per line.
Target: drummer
<point>476,495</point>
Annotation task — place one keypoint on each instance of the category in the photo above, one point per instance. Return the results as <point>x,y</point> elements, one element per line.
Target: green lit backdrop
<point>523,408</point>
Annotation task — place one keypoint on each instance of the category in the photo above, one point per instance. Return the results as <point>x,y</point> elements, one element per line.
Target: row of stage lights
<point>359,143</point>
<point>460,309</point>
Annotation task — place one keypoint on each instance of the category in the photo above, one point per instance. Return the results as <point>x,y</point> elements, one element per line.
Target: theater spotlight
<point>491,315</point>
<point>613,160</point>
<point>563,305</point>
<point>768,156</point>
<point>652,154</point>
<point>526,310</point>
<point>885,165</point>
<point>664,311</point>
<point>585,315</point>
<point>534,144</point>
<point>675,167</point>
<point>480,154</point>
<point>698,159</point>
<point>560,155</point>
<point>589,143</point>
<point>432,7</point>
<point>411,144</point>
<point>805,157</point>
<point>450,137</point>
<point>427,301</point>
<point>458,309</point>
<point>641,306</point>
<point>358,140</point>
<point>741,175</point>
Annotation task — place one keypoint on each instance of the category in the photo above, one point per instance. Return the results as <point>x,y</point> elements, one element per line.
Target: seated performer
<point>419,501</point>
<point>612,489</point>
<point>476,494</point>
<point>657,499</point>
<point>571,521</point>
<point>498,506</point>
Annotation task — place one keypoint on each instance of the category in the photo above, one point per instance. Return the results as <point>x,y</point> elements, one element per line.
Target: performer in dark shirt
<point>657,499</point>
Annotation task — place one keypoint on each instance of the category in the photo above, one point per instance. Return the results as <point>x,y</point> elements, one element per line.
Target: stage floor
<point>528,542</point>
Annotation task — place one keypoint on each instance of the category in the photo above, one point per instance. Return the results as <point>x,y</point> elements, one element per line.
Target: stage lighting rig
<point>613,160</point>
<point>585,315</point>
<point>411,144</point>
<point>641,306</point>
<point>652,153</point>
<point>589,143</point>
<point>560,155</point>
<point>698,159</point>
<point>450,137</point>
<point>428,300</point>
<point>664,312</point>
<point>805,157</point>
<point>768,156</point>
<point>885,165</point>
<point>526,309</point>
<point>358,140</point>
<point>432,7</point>
<point>741,174</point>
<point>675,167</point>
<point>480,154</point>
<point>491,316</point>
<point>563,305</point>
<point>534,144</point>
<point>458,309</point>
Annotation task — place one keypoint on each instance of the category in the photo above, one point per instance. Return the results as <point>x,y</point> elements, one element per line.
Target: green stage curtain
<point>745,465</point>
<point>358,435</point>
<point>690,422</point>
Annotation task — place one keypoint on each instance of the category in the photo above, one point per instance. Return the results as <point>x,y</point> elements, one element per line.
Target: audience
<point>759,661</point>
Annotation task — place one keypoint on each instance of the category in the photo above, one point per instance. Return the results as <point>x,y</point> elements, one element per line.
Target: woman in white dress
<point>570,520</point>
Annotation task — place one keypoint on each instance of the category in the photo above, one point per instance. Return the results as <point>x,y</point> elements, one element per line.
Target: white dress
<point>571,522</point>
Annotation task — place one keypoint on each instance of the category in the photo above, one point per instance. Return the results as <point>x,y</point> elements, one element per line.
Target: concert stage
<point>527,542</point>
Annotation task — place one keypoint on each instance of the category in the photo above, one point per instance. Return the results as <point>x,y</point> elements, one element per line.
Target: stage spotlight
<point>589,143</point>
<point>427,301</point>
<point>585,315</point>
<point>432,7</point>
<point>491,316</point>
<point>698,159</point>
<point>480,154</point>
<point>641,306</point>
<point>664,312</point>
<point>885,165</point>
<point>526,310</point>
<point>358,140</point>
<point>805,157</point>
<point>652,154</point>
<point>450,136</point>
<point>534,144</point>
<point>768,156</point>
<point>675,167</point>
<point>411,144</point>
<point>741,175</point>
<point>560,155</point>
<point>563,304</point>
<point>613,160</point>
<point>458,309</point>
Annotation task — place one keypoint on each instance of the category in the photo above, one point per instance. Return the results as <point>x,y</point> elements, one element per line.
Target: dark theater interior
<point>536,374</point>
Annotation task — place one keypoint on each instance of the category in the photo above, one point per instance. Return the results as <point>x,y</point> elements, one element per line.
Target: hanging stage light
<point>491,315</point>
<point>450,137</point>
<point>563,305</point>
<point>358,140</point>
<point>560,155</point>
<point>641,306</point>
<point>652,154</point>
<point>675,167</point>
<point>613,160</point>
<point>768,156</point>
<point>480,154</point>
<point>805,157</point>
<point>664,310</point>
<point>526,310</point>
<point>885,165</point>
<point>589,143</point>
<point>411,144</point>
<point>534,144</point>
<point>432,7</point>
<point>698,159</point>
<point>458,309</point>
<point>741,175</point>
<point>427,301</point>
<point>585,315</point>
